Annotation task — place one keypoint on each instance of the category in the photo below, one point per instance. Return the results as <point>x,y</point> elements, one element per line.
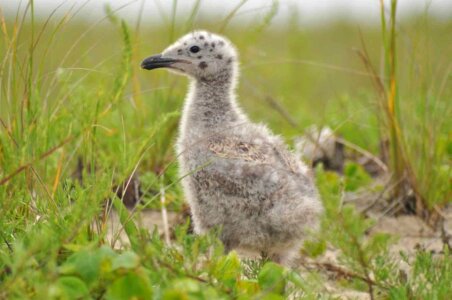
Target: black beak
<point>157,61</point>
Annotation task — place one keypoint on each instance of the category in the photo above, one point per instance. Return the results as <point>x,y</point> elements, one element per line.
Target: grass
<point>72,90</point>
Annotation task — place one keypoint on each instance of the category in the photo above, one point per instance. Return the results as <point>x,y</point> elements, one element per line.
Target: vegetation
<point>78,117</point>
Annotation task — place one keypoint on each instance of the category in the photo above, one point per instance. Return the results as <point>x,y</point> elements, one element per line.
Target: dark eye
<point>194,49</point>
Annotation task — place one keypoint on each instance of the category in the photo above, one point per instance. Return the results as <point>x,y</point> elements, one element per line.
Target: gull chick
<point>237,175</point>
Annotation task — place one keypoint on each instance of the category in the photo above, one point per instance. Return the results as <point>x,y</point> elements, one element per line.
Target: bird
<point>236,175</point>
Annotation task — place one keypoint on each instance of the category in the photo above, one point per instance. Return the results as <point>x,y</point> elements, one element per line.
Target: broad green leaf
<point>88,264</point>
<point>190,289</point>
<point>130,286</point>
<point>126,260</point>
<point>272,296</point>
<point>247,287</point>
<point>228,269</point>
<point>186,285</point>
<point>174,294</point>
<point>70,287</point>
<point>272,277</point>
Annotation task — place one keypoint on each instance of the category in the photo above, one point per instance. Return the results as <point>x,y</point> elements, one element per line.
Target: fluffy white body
<point>237,175</point>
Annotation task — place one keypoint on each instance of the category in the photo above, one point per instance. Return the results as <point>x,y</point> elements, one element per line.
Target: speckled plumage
<point>237,175</point>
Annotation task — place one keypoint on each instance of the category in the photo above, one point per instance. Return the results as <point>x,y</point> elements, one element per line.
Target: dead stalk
<point>166,231</point>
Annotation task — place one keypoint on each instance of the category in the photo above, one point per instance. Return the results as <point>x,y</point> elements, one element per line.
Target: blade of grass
<point>231,15</point>
<point>127,223</point>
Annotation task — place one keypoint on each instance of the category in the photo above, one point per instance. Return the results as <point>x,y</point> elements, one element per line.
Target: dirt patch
<point>412,234</point>
<point>149,219</point>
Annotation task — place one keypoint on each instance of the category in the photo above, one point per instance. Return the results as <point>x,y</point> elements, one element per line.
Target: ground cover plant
<point>82,129</point>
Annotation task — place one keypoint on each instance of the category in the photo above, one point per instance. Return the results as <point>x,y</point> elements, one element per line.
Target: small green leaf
<point>314,248</point>
<point>355,176</point>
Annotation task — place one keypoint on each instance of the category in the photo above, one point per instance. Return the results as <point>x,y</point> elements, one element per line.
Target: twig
<point>364,152</point>
<point>172,269</point>
<point>393,205</point>
<point>445,237</point>
<point>164,215</point>
<point>343,272</point>
<point>282,111</point>
<point>365,266</point>
<point>388,187</point>
<point>275,104</point>
<point>129,219</point>
<point>10,248</point>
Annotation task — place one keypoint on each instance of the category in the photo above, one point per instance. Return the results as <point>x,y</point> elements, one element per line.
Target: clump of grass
<point>419,173</point>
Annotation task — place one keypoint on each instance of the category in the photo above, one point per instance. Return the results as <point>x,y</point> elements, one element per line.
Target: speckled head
<point>201,55</point>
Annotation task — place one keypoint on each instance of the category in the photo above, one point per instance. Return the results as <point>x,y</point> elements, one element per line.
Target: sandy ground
<point>412,232</point>
<point>150,219</point>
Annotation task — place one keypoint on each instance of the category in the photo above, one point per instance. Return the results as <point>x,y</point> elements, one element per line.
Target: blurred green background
<point>313,71</point>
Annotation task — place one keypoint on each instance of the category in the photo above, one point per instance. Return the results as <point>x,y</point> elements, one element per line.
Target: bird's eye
<point>194,49</point>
